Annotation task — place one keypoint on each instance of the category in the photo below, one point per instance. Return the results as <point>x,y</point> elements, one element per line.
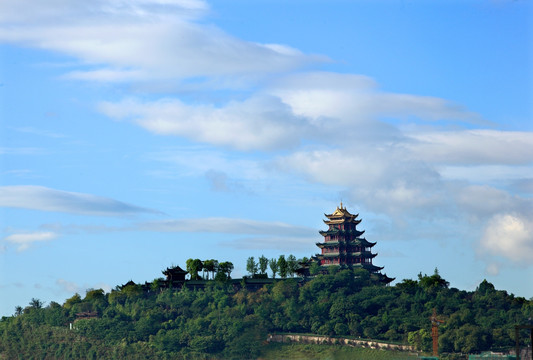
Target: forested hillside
<point>222,322</point>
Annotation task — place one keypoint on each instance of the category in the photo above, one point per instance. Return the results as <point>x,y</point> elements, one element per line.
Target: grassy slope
<point>276,351</point>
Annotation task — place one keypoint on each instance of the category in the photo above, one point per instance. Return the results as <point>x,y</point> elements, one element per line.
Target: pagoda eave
<point>356,233</point>
<point>342,221</point>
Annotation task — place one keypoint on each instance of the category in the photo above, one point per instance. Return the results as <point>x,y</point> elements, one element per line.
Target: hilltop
<point>221,321</point>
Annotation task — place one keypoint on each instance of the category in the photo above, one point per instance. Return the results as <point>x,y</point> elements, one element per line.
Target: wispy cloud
<point>22,151</point>
<point>46,199</point>
<point>227,226</point>
<point>282,243</point>
<point>473,147</point>
<point>72,287</point>
<point>258,123</point>
<point>39,132</point>
<point>276,232</point>
<point>352,98</point>
<point>316,107</point>
<point>142,40</point>
<point>25,240</point>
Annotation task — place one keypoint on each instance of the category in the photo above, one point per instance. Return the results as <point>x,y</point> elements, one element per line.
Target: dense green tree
<point>263,264</point>
<point>210,266</point>
<point>75,299</point>
<point>36,303</point>
<point>314,268</point>
<point>273,264</point>
<point>283,268</point>
<point>251,266</point>
<point>226,268</point>
<point>193,267</point>
<point>292,265</point>
<point>220,321</point>
<point>94,295</point>
<point>434,281</point>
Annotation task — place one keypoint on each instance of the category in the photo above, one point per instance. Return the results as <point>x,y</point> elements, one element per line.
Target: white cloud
<point>39,132</point>
<point>381,179</point>
<point>21,151</point>
<point>487,173</point>
<point>220,182</point>
<point>227,226</point>
<point>484,201</point>
<point>473,147</point>
<point>141,40</point>
<point>509,235</point>
<point>46,199</point>
<point>262,123</point>
<point>317,107</point>
<point>72,287</point>
<point>68,286</point>
<point>282,243</point>
<point>25,240</point>
<point>493,269</point>
<point>355,98</point>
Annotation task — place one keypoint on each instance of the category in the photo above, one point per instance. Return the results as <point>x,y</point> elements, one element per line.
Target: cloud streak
<point>259,123</point>
<point>25,240</point>
<point>46,199</point>
<point>142,40</point>
<point>227,226</point>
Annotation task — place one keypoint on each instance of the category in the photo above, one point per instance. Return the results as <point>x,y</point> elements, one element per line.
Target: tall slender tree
<point>282,264</point>
<point>273,264</point>
<point>251,266</point>
<point>263,264</point>
<point>292,265</point>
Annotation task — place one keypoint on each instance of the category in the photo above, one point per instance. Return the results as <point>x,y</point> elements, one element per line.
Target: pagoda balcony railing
<point>341,232</point>
<point>332,254</point>
<point>356,242</point>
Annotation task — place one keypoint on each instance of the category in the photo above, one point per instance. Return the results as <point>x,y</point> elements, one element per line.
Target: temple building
<point>343,245</point>
<point>175,277</point>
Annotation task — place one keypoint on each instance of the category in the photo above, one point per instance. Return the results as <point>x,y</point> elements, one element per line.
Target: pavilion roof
<point>340,216</point>
<point>174,270</point>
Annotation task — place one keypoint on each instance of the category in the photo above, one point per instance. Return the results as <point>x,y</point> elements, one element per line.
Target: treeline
<point>281,266</point>
<point>221,322</point>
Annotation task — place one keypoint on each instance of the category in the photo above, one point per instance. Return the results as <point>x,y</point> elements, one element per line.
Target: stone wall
<point>320,339</point>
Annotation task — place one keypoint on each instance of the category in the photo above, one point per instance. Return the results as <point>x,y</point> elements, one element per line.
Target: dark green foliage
<point>274,267</point>
<point>251,266</point>
<point>219,322</point>
<point>292,265</point>
<point>193,267</point>
<point>224,268</point>
<point>282,266</point>
<point>263,264</point>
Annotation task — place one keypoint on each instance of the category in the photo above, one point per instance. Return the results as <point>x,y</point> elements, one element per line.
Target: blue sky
<point>138,134</point>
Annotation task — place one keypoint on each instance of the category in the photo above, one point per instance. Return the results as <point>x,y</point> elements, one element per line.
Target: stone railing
<point>321,339</point>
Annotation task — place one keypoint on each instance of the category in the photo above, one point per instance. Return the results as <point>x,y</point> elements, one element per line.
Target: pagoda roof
<point>340,216</point>
<point>320,256</point>
<point>361,242</point>
<point>369,267</point>
<point>341,232</point>
<point>359,254</point>
<point>382,278</point>
<point>351,219</point>
<point>174,270</point>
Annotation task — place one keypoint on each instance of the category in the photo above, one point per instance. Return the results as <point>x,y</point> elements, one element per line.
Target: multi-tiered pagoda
<point>343,245</point>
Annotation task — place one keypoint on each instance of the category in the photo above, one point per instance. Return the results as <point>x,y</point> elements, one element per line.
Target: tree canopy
<point>219,321</point>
